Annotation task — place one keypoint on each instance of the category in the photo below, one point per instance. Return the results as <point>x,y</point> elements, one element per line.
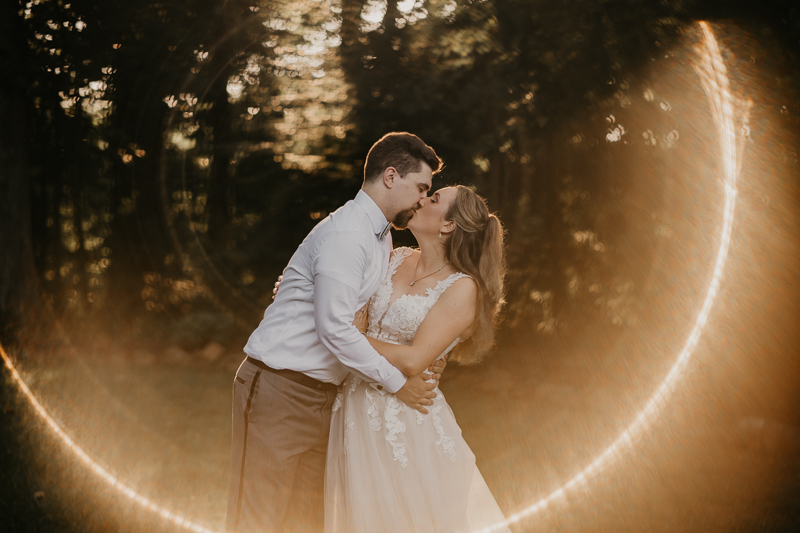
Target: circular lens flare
<point>93,465</point>
<point>714,79</point>
<point>713,76</point>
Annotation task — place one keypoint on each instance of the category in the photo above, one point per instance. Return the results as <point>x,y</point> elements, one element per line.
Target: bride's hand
<point>277,286</point>
<point>361,319</point>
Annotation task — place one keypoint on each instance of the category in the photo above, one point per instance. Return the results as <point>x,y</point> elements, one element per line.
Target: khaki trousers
<point>279,442</point>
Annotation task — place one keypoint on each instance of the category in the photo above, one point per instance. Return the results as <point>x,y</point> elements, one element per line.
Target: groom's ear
<point>389,176</point>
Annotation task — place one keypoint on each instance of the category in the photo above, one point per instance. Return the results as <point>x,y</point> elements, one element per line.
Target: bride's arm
<point>449,318</point>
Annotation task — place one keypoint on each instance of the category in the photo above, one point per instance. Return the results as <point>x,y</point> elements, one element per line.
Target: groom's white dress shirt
<point>334,272</point>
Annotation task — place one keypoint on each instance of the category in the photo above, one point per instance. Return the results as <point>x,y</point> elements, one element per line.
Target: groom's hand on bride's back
<point>417,393</point>
<point>437,367</point>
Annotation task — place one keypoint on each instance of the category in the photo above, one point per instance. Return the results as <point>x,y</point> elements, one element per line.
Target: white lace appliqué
<point>380,300</point>
<point>397,323</point>
<point>447,443</point>
<point>337,402</point>
<point>395,426</point>
<point>373,411</point>
<point>348,417</point>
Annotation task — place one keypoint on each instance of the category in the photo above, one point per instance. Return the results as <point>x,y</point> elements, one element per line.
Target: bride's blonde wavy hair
<point>475,247</point>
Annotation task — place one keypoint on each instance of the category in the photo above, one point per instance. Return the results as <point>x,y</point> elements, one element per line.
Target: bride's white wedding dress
<point>391,469</point>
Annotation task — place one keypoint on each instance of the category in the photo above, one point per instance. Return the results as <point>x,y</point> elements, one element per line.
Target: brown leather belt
<point>293,375</point>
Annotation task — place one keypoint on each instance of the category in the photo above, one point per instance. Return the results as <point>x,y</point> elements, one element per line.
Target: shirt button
<point>319,385</point>
<point>379,387</point>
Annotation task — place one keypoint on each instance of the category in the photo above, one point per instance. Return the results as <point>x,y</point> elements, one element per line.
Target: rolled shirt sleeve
<point>339,268</point>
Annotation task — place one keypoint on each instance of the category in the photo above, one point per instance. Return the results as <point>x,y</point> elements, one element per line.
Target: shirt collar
<point>376,217</point>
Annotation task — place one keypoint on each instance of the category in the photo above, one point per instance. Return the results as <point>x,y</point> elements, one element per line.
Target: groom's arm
<point>339,270</point>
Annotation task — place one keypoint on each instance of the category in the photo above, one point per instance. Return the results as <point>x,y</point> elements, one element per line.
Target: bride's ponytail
<point>492,263</point>
<point>475,247</point>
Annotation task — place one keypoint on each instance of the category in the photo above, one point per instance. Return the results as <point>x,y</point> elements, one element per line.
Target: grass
<point>532,422</point>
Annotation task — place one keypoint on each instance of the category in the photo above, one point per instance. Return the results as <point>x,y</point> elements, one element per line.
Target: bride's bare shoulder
<point>464,291</point>
<point>466,285</point>
<point>403,252</point>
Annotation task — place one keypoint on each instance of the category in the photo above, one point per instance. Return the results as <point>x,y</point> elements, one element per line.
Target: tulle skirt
<point>391,469</point>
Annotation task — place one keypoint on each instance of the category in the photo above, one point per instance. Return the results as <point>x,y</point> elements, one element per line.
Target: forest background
<point>160,161</point>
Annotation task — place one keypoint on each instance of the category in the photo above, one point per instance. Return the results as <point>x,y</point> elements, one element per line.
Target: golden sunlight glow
<point>93,465</point>
<point>311,90</point>
<point>713,76</point>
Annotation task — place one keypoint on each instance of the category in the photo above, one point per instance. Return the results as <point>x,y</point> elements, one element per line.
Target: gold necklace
<point>428,275</point>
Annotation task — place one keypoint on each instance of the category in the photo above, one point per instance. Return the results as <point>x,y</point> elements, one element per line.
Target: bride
<point>391,468</point>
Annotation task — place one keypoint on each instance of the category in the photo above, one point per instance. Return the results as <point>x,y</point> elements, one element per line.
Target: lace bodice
<point>397,322</point>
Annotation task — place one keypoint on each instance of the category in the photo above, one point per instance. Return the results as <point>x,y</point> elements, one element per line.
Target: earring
<point>440,234</point>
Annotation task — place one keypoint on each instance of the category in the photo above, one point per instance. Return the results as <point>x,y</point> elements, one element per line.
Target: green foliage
<point>182,149</point>
<point>195,329</point>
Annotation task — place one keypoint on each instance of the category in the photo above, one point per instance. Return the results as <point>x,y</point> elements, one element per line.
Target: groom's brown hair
<point>404,151</point>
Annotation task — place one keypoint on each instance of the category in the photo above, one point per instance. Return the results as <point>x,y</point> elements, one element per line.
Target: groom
<point>306,345</point>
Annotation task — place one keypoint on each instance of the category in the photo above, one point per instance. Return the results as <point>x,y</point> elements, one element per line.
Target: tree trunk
<point>237,25</point>
<point>17,268</point>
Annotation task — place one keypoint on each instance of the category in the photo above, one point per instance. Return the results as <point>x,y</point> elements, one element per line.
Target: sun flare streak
<point>714,79</point>
<point>713,76</point>
<point>93,465</point>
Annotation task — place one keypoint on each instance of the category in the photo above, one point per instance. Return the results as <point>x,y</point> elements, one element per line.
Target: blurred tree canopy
<point>163,159</point>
